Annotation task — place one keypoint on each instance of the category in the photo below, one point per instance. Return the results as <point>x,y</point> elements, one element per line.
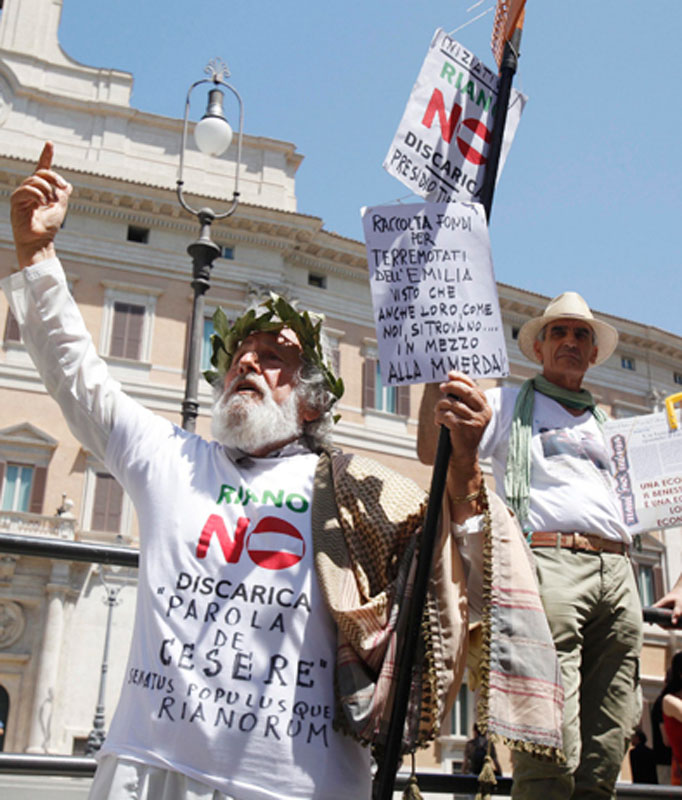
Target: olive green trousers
<point>595,617</point>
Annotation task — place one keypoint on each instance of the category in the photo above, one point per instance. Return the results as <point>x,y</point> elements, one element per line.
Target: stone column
<point>48,667</point>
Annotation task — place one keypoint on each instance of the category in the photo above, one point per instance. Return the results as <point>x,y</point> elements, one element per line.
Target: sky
<point>591,195</point>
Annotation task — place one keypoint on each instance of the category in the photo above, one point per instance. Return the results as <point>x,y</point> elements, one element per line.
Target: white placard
<point>441,146</point>
<point>646,458</point>
<point>433,292</point>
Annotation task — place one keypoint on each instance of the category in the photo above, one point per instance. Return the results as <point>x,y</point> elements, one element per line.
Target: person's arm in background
<point>673,600</point>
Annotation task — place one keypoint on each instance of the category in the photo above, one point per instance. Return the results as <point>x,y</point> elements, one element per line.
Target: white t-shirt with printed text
<point>230,677</point>
<point>571,484</point>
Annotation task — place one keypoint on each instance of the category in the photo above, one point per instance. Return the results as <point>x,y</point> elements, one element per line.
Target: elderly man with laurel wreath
<point>272,569</point>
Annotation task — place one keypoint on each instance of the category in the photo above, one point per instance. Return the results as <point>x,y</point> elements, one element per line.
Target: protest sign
<point>440,149</point>
<point>433,292</point>
<point>647,464</point>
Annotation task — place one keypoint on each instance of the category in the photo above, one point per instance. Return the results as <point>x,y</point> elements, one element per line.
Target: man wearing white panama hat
<point>550,464</point>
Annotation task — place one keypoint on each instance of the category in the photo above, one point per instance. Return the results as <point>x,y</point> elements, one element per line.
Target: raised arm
<point>52,328</point>
<point>38,207</point>
<point>465,412</point>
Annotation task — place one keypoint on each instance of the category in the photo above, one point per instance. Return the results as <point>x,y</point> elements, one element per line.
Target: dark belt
<point>589,542</point>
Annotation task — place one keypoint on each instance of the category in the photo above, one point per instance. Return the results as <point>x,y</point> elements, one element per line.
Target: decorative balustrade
<point>21,522</point>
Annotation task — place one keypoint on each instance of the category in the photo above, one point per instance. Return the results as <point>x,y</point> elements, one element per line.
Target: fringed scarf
<point>517,473</point>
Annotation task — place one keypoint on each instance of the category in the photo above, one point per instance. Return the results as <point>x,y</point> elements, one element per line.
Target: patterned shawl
<point>366,521</point>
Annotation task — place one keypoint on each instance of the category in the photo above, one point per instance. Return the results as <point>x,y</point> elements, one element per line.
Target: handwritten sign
<point>433,291</point>
<point>647,464</point>
<point>441,146</point>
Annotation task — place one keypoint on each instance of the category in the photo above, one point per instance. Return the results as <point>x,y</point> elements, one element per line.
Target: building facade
<point>123,246</point>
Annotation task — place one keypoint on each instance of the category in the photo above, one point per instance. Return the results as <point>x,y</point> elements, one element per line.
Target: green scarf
<point>517,472</point>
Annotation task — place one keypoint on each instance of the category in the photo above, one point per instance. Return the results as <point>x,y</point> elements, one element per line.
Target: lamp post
<point>97,734</point>
<point>213,135</point>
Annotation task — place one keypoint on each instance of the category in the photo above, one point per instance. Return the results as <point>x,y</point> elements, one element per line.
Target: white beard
<point>254,424</point>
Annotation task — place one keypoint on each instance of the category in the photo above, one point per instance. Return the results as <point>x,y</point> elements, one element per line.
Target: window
<point>677,378</point>
<point>227,252</point>
<point>316,280</point>
<point>647,585</point>
<point>627,363</point>
<point>126,335</point>
<point>515,332</point>
<point>25,452</point>
<point>127,321</point>
<point>16,491</point>
<point>107,504</point>
<point>23,487</point>
<point>138,234</point>
<point>459,716</point>
<point>107,511</point>
<point>377,397</point>
<point>384,396</point>
<point>12,333</point>
<point>79,745</point>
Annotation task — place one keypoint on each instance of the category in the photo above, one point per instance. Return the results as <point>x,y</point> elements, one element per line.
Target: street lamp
<point>97,734</point>
<point>213,135</point>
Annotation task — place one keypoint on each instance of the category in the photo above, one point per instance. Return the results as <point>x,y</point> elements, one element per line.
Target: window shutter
<point>403,401</point>
<point>369,370</point>
<point>12,332</point>
<point>38,490</point>
<point>118,333</point>
<point>2,478</point>
<point>107,504</point>
<point>134,338</point>
<point>126,334</point>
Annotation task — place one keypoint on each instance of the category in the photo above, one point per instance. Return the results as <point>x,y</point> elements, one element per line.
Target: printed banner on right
<point>646,456</point>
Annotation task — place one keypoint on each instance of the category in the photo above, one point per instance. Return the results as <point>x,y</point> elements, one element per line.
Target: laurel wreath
<point>278,314</point>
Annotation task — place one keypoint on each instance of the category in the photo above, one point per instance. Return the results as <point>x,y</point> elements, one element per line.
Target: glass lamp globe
<point>213,133</point>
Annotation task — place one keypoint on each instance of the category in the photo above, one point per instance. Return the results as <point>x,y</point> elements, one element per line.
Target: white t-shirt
<point>571,484</point>
<point>230,674</point>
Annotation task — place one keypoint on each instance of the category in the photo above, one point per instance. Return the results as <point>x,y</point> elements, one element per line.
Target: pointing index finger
<point>45,160</point>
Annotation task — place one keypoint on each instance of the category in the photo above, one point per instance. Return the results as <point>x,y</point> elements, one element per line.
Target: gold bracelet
<point>467,498</point>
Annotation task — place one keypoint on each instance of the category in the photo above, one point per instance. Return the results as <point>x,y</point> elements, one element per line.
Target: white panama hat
<point>569,305</point>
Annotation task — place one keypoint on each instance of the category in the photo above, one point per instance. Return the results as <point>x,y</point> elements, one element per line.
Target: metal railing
<point>429,782</point>
<point>84,766</point>
<point>47,547</point>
